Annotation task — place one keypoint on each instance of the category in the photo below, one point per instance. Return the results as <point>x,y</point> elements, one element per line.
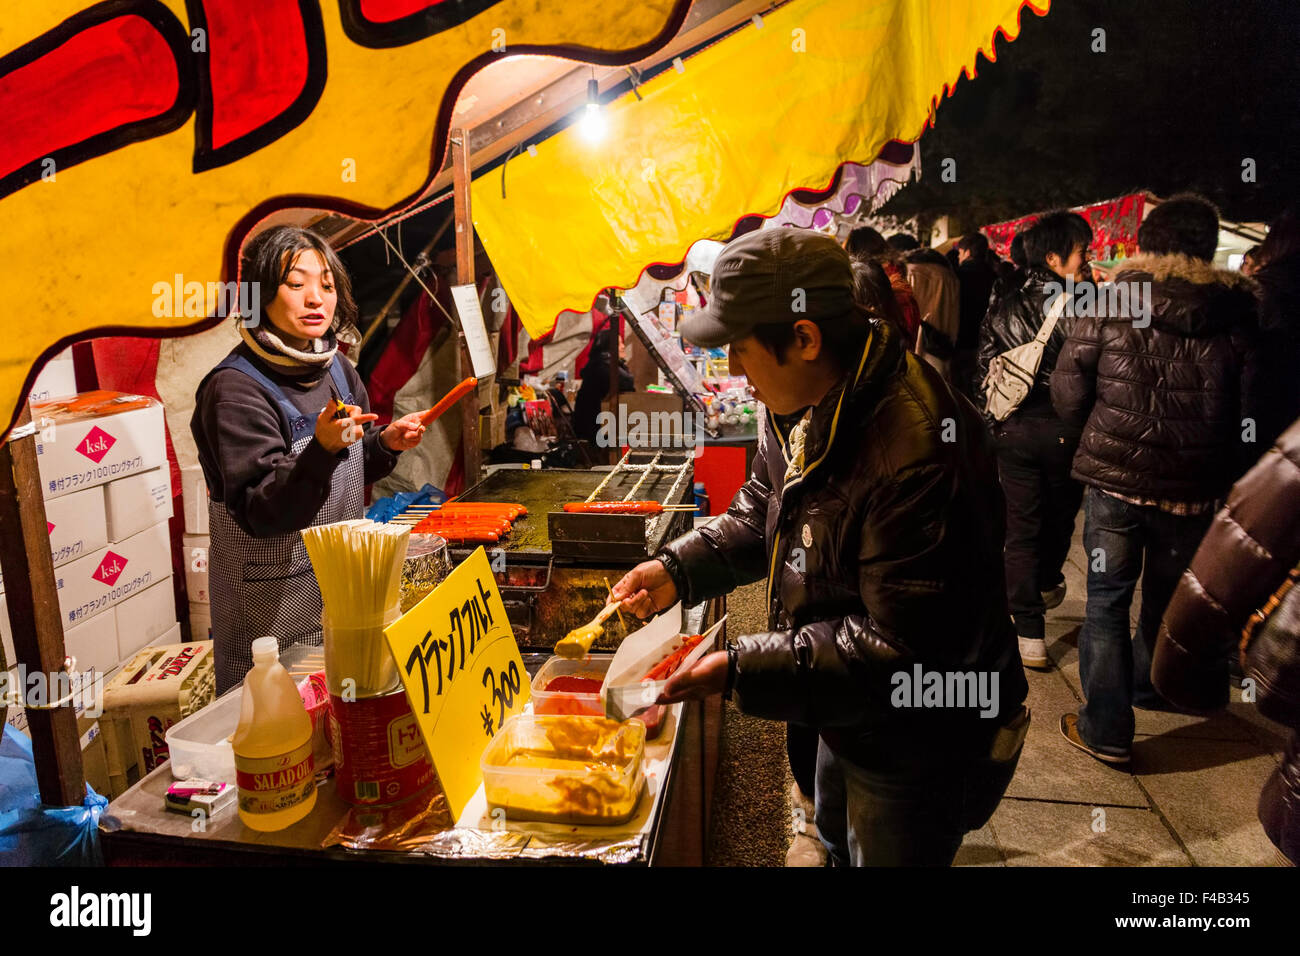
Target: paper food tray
<point>625,694</point>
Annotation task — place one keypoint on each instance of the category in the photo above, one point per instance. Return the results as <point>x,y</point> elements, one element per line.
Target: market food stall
<point>275,160</point>
<point>651,808</point>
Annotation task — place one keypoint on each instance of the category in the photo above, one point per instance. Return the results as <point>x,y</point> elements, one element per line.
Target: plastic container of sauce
<point>571,687</point>
<point>565,769</point>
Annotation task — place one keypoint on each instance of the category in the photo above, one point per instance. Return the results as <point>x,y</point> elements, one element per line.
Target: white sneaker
<point>1033,652</point>
<point>1054,597</point>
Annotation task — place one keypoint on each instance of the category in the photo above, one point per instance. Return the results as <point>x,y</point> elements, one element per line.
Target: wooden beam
<point>35,619</point>
<point>469,437</point>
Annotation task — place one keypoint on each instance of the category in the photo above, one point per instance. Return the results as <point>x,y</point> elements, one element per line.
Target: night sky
<point>1184,92</point>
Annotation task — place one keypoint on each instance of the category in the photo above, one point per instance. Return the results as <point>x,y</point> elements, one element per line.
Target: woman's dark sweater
<point>244,447</point>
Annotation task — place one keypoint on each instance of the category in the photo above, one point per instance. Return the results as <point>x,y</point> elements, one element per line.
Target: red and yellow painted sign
<point>141,140</point>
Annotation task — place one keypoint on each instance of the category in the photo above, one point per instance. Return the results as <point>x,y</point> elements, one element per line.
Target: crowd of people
<point>899,529</point>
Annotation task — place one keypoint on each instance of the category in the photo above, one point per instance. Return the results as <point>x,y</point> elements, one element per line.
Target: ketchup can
<point>379,756</point>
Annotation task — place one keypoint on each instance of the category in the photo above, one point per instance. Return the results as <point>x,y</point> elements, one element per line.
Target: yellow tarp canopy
<point>769,109</point>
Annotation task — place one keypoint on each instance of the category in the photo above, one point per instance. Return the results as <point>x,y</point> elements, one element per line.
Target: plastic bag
<point>36,835</point>
<point>385,509</point>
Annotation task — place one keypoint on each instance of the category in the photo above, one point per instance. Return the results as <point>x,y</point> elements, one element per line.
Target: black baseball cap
<point>771,277</point>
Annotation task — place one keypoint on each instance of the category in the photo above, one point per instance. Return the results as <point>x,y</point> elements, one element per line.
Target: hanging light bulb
<point>592,123</point>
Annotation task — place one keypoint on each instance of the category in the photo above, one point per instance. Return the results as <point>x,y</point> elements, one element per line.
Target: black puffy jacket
<point>1248,553</point>
<point>885,553</point>
<point>1014,320</point>
<point>1162,406</point>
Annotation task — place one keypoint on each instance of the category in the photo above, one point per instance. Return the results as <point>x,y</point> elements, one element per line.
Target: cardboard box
<point>57,379</point>
<point>77,525</point>
<point>93,644</point>
<point>94,756</point>
<point>7,633</point>
<point>171,637</point>
<point>194,495</point>
<point>81,446</point>
<point>200,621</point>
<point>156,688</point>
<point>101,580</point>
<point>144,617</point>
<point>133,504</point>
<point>14,715</point>
<point>82,687</point>
<point>195,555</point>
<point>492,428</point>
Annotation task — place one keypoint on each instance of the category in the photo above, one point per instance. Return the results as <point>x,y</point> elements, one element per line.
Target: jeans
<point>904,818</point>
<point>1034,457</point>
<point>801,743</point>
<point>1114,668</point>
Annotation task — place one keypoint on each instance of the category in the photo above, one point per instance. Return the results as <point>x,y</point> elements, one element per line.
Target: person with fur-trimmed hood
<point>1164,390</point>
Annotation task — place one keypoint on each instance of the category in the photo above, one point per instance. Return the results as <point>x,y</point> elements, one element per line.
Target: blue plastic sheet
<point>385,509</point>
<point>36,835</point>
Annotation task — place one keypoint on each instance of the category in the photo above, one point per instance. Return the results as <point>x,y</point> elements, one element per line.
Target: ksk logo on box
<point>96,444</point>
<point>110,569</point>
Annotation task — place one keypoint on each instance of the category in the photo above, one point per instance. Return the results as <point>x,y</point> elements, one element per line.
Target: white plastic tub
<point>199,745</point>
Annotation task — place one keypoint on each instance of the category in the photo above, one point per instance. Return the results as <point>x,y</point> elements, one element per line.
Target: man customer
<point>1035,447</point>
<point>1162,389</point>
<point>874,512</point>
<point>976,277</point>
<point>1248,561</point>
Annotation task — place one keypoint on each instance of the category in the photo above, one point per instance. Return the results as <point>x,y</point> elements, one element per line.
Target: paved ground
<point>1188,798</point>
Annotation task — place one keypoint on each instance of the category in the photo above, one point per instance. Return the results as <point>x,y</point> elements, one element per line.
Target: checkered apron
<point>266,586</point>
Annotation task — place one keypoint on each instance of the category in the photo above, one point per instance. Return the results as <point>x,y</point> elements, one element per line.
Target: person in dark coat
<point>880,540</point>
<point>865,244</point>
<point>1278,280</point>
<point>976,278</point>
<point>1163,387</point>
<point>1251,550</point>
<point>595,385</point>
<point>1014,278</point>
<point>1035,447</point>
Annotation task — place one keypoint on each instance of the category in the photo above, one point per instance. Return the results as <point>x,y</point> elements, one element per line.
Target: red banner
<point>1114,228</point>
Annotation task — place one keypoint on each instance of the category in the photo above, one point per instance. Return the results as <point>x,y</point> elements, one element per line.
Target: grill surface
<point>542,492</point>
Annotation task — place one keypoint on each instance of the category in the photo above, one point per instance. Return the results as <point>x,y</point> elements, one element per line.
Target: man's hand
<point>335,434</point>
<point>646,589</point>
<point>706,678</point>
<point>403,434</point>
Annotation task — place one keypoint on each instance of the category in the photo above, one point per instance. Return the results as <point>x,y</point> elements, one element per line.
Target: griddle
<point>556,564</point>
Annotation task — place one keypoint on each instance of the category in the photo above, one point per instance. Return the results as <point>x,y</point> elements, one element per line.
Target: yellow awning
<point>139,142</point>
<point>770,109</point>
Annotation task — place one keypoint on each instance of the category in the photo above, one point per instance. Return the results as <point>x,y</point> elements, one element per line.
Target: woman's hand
<point>403,434</point>
<point>646,589</point>
<point>706,678</point>
<point>335,434</point>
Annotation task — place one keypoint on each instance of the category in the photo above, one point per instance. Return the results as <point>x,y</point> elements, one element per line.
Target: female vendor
<point>278,453</point>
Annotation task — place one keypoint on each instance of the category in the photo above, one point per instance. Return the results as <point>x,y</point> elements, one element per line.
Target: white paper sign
<point>476,338</point>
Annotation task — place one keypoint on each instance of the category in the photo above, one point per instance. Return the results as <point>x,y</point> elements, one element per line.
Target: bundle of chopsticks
<point>358,565</point>
<point>464,522</point>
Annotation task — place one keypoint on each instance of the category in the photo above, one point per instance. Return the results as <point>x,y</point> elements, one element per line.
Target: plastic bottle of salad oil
<point>272,743</point>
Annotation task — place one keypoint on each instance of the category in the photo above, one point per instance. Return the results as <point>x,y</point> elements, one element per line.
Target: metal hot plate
<point>629,538</point>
